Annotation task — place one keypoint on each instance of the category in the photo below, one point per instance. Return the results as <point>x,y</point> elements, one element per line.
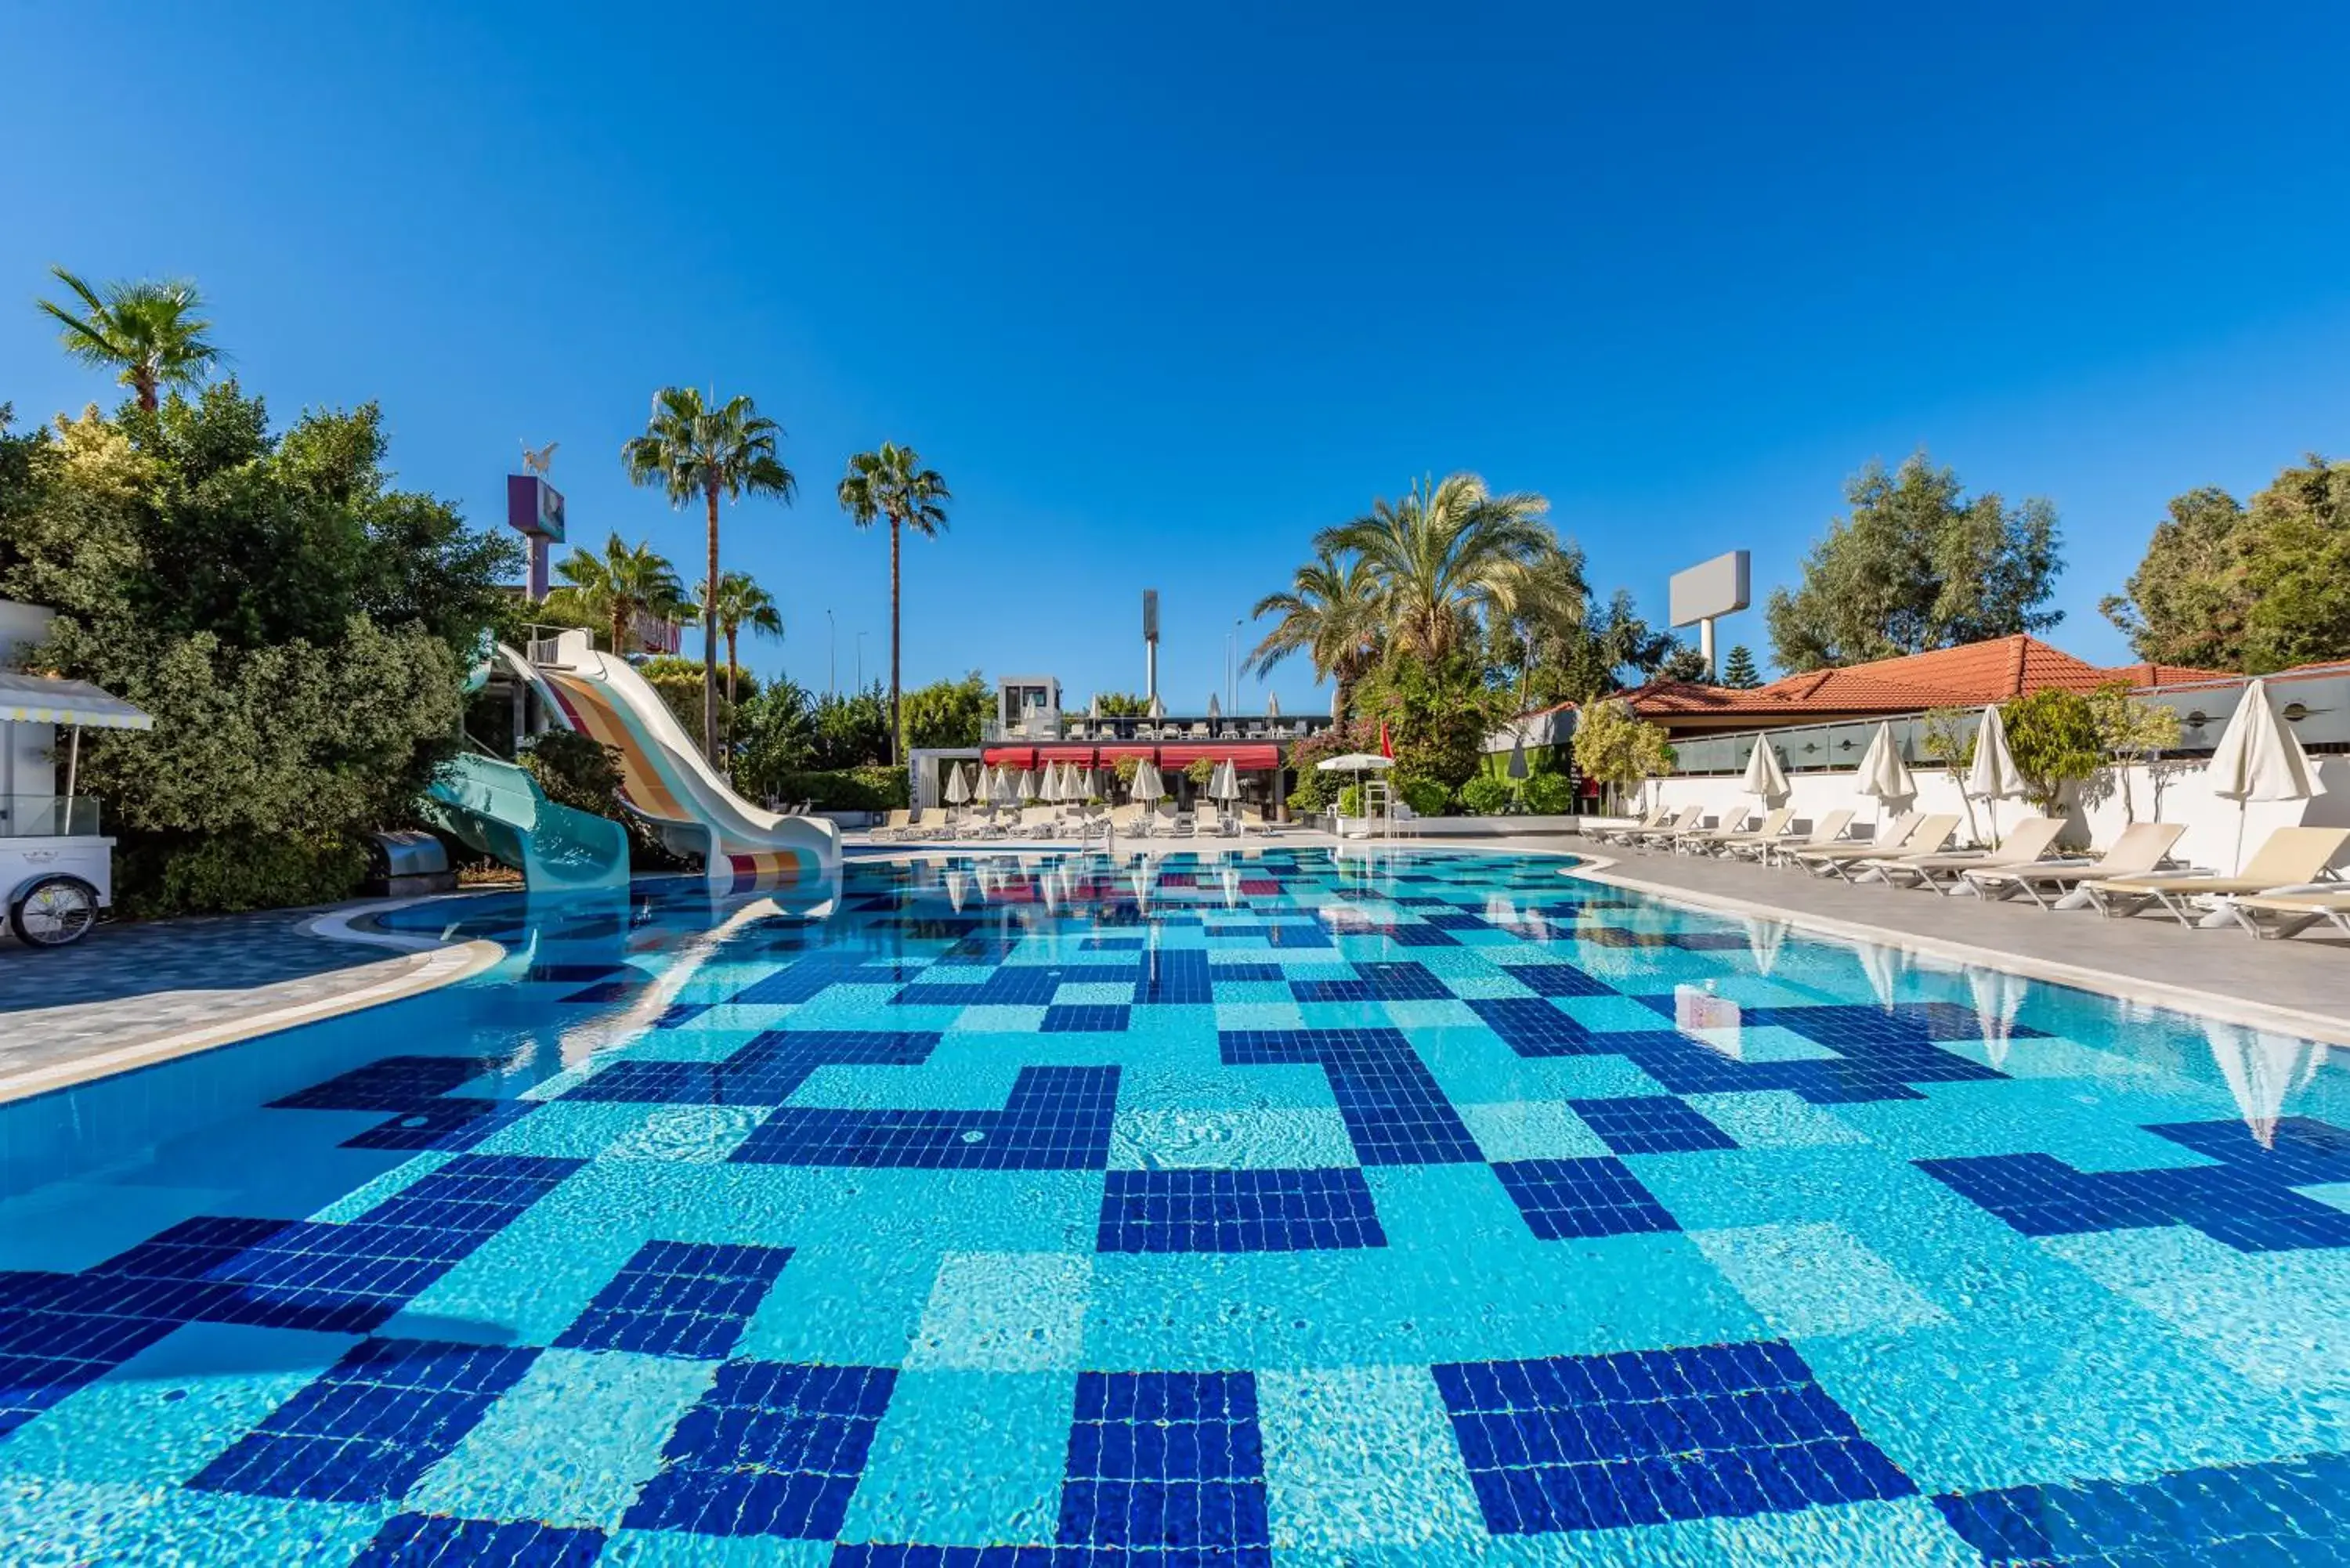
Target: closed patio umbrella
<point>1273,704</point>
<point>1093,709</point>
<point>1148,786</point>
<point>1994,775</point>
<point>1215,709</point>
<point>1224,784</point>
<point>1027,784</point>
<point>1884,777</point>
<point>2259,759</point>
<point>1765,779</point>
<point>957,786</point>
<point>1158,710</point>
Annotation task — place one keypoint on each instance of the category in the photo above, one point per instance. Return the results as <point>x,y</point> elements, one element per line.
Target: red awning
<point>1009,756</point>
<point>1120,753</point>
<point>1246,759</point>
<point>1081,756</point>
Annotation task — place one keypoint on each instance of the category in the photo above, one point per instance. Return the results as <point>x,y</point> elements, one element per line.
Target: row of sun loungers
<point>2281,890</point>
<point>1082,823</point>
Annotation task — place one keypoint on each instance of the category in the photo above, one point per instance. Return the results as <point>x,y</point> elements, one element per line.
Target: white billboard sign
<point>1722,585</point>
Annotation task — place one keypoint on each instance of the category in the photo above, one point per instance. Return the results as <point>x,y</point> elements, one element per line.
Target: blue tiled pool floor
<point>1287,1209</point>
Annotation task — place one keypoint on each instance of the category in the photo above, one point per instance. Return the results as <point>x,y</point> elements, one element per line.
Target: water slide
<point>498,809</point>
<point>664,778</point>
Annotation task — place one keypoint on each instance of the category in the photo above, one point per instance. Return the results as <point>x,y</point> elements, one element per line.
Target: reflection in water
<point>1884,966</point>
<point>1764,938</point>
<point>1997,997</point>
<point>1710,1019</point>
<point>2262,1070</point>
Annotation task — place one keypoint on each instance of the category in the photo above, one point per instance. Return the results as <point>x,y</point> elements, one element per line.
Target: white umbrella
<point>1224,784</point>
<point>1994,775</point>
<point>1093,709</point>
<point>1883,775</point>
<point>1355,763</point>
<point>1215,709</point>
<point>957,786</point>
<point>1148,786</point>
<point>1765,777</point>
<point>1273,704</point>
<point>2259,759</point>
<point>1158,709</point>
<point>1027,784</point>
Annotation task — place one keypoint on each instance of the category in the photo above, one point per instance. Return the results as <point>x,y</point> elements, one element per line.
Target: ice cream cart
<point>56,870</point>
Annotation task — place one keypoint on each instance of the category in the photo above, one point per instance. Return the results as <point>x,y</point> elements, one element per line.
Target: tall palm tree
<point>692,448</point>
<point>1330,613</point>
<point>149,332</point>
<point>1444,555</point>
<point>893,484</point>
<point>614,587</point>
<point>742,606</point>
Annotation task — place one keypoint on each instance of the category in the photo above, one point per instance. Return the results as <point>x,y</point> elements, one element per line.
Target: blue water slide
<point>498,809</point>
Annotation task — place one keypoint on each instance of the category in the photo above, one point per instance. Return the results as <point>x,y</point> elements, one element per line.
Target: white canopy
<point>1028,783</point>
<point>2259,759</point>
<point>42,699</point>
<point>1994,775</point>
<point>1224,784</point>
<point>1148,786</point>
<point>1215,709</point>
<point>1765,777</point>
<point>1273,704</point>
<point>957,788</point>
<point>1158,709</point>
<point>1354,762</point>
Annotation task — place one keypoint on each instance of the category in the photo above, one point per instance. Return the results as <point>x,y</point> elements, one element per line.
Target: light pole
<point>832,657</point>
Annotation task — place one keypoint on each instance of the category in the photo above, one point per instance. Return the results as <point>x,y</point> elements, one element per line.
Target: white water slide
<point>664,777</point>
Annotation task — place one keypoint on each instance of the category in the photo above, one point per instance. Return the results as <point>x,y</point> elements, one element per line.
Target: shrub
<point>1350,801</point>
<point>575,770</point>
<point>2054,737</point>
<point>1615,746</point>
<point>1426,797</point>
<point>226,873</point>
<point>874,788</point>
<point>1200,771</point>
<point>1549,795</point>
<point>1486,795</point>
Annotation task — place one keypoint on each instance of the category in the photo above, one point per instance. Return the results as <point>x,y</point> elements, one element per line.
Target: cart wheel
<point>54,912</point>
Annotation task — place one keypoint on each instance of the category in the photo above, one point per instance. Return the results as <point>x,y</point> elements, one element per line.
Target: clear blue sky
<point>1162,290</point>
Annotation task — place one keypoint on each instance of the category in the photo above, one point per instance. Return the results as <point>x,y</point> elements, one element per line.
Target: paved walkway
<point>124,985</point>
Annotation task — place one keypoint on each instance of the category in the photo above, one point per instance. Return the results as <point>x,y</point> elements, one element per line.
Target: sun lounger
<point>1910,834</point>
<point>1683,821</point>
<point>1706,840</point>
<point>1828,830</point>
<point>2026,842</point>
<point>2291,912</point>
<point>2140,848</point>
<point>896,825</point>
<point>1621,832</point>
<point>2291,857</point>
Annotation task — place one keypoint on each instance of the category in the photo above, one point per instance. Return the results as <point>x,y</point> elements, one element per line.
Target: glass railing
<point>47,817</point>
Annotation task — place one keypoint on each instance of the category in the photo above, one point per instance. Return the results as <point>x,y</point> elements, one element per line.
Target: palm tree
<point>1330,613</point>
<point>614,587</point>
<point>744,605</point>
<point>893,484</point>
<point>689,449</point>
<point>1444,555</point>
<point>147,332</point>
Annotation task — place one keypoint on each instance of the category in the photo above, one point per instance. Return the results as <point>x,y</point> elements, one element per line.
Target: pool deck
<point>143,993</point>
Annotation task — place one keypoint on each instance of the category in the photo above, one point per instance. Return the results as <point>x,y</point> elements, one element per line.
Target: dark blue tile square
<point>772,1450</point>
<point>435,1541</point>
<point>679,1298</point>
<point>1651,1123</point>
<point>1086,1019</point>
<point>1562,1198</point>
<point>1237,1211</point>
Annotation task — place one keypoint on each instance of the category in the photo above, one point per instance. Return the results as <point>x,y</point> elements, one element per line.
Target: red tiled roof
<point>1967,676</point>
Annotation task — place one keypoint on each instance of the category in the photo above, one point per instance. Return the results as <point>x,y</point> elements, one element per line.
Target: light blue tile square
<point>567,1130</point>
<point>998,1019</point>
<point>1092,994</point>
<point>568,1249</point>
<point>1414,1016</point>
<point>1818,1279</point>
<point>1909,1531</point>
<point>1485,987</point>
<point>1773,1119</point>
<point>966,1459</point>
<point>1263,994</point>
<point>367,1195</point>
<point>1209,1087</point>
<point>843,1303</point>
<point>1277,1014</point>
<point>49,1523</point>
<point>1004,1312</point>
<point>1320,1427</point>
<point>1279,1137</point>
<point>1531,1129</point>
<point>692,1135</point>
<point>569,1444</point>
<point>1612,1012</point>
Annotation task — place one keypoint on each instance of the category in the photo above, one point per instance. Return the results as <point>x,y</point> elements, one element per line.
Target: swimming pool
<point>1284,1207</point>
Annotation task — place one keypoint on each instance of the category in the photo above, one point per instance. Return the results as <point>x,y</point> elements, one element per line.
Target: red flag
<point>1387,747</point>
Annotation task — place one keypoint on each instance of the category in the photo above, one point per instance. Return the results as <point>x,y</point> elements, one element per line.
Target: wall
<point>2210,839</point>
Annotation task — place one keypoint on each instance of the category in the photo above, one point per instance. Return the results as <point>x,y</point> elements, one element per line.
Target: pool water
<point>1277,1208</point>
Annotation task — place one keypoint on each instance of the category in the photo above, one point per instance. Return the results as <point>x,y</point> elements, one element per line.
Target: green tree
<point>893,484</point>
<point>1618,748</point>
<point>1446,555</point>
<point>851,729</point>
<point>1114,704</point>
<point>2190,601</point>
<point>743,605</point>
<point>1738,672</point>
<point>691,448</point>
<point>2052,735</point>
<point>148,333</point>
<point>2130,731</point>
<point>775,736</point>
<point>2257,588</point>
<point>1947,736</point>
<point>1684,664</point>
<point>612,589</point>
<point>229,581</point>
<point>1332,613</point>
<point>1438,713</point>
<point>949,712</point>
<point>1917,565</point>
